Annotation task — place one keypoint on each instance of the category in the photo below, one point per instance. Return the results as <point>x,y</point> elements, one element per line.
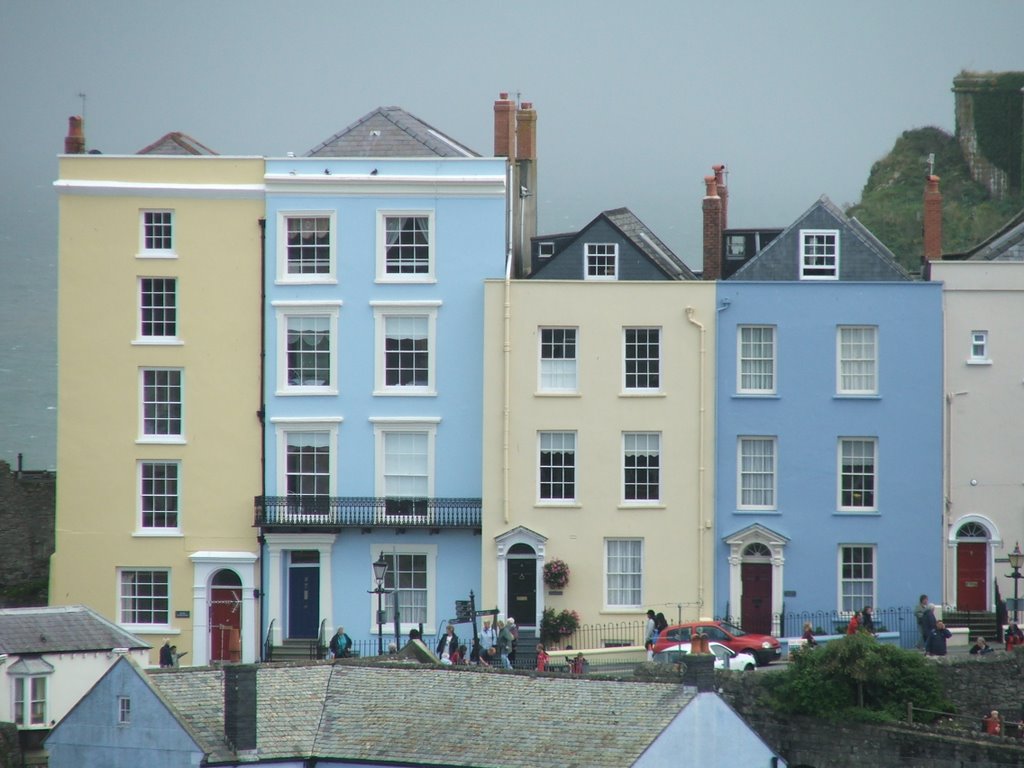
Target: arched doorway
<point>225,616</point>
<point>521,574</point>
<point>972,542</point>
<point>756,586</point>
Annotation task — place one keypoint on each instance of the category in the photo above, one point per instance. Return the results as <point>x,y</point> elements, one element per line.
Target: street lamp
<point>380,569</point>
<point>1016,559</point>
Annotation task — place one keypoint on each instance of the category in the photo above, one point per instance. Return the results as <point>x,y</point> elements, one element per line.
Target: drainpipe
<point>507,352</point>
<point>261,415</point>
<point>948,595</point>
<point>701,527</point>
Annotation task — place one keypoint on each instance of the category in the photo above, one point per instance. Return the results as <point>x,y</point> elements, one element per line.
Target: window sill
<point>558,505</point>
<point>855,396</point>
<point>156,255</point>
<point>555,393</point>
<point>150,629</point>
<point>756,396</point>
<point>626,609</point>
<point>640,506</point>
<point>169,341</point>
<point>642,393</point>
<point>857,512</point>
<point>979,361</point>
<point>430,280</point>
<point>404,393</point>
<point>752,511</point>
<point>154,533</point>
<point>329,280</point>
<point>306,392</point>
<point>156,440</point>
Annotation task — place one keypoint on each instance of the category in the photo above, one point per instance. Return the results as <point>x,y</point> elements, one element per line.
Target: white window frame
<point>144,338</point>
<point>652,448</point>
<point>656,361</point>
<point>384,427</point>
<point>124,710</point>
<point>283,275</point>
<point>288,426</point>
<point>845,363</point>
<point>390,548</point>
<point>608,574</point>
<point>600,251</point>
<point>545,249</point>
<point>856,602</point>
<point>815,265</point>
<point>979,349</point>
<point>151,530</point>
<point>558,369</point>
<point>285,311</point>
<point>381,312</point>
<point>745,359</point>
<point>176,438</point>
<point>574,450</point>
<point>121,597</point>
<point>146,252</point>
<point>873,507</point>
<point>742,443</point>
<point>383,276</point>
<point>23,688</point>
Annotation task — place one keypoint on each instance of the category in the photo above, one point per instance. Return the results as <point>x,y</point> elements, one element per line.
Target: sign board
<point>463,611</point>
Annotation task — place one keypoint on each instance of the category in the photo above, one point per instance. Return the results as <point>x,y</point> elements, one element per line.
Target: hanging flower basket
<point>556,574</point>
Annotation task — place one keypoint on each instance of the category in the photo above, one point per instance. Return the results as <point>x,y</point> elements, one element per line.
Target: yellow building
<point>598,447</point>
<point>158,448</point>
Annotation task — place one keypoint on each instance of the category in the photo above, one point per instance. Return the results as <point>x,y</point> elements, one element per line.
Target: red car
<point>764,648</point>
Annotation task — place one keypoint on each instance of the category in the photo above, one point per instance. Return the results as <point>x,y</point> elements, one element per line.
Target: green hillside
<point>891,203</point>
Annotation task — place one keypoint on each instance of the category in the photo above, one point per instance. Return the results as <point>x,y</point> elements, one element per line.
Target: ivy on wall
<point>998,117</point>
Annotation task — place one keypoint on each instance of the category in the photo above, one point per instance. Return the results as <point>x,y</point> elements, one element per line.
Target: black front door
<point>522,591</point>
<point>303,601</point>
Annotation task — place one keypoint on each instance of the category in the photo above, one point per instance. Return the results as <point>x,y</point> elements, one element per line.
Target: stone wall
<point>27,509</point>
<point>975,685</point>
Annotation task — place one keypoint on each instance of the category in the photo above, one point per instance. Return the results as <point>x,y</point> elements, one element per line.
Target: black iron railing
<point>364,512</point>
<point>268,648</point>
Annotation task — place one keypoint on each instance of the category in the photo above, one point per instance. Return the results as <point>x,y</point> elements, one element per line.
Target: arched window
<point>972,531</point>
<point>757,549</point>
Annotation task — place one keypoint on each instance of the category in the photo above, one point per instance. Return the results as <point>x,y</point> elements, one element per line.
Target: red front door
<point>756,599</point>
<point>226,624</point>
<point>971,575</point>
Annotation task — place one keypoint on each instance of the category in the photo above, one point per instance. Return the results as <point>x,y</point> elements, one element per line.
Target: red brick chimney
<point>723,192</point>
<point>712,231</point>
<point>505,127</point>
<point>932,220</point>
<point>526,132</point>
<point>74,142</point>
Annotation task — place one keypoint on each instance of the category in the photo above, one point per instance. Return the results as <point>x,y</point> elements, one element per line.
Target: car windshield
<point>732,629</point>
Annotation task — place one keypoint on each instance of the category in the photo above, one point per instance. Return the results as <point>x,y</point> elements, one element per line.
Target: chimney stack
<point>240,706</point>
<point>712,269</point>
<point>932,220</point>
<point>505,127</point>
<point>723,192</point>
<point>74,142</point>
<point>526,132</point>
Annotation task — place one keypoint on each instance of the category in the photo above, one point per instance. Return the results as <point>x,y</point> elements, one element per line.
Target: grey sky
<point>635,103</point>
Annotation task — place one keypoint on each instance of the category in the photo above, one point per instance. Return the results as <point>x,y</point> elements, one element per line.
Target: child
<point>542,658</point>
<point>649,646</point>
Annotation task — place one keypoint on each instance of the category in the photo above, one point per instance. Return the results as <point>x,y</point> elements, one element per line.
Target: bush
<point>856,677</point>
<point>555,626</point>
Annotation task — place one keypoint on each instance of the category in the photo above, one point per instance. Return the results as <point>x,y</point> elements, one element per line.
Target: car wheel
<point>748,668</point>
<point>763,659</point>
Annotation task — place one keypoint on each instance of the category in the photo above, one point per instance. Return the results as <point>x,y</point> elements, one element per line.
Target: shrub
<point>555,626</point>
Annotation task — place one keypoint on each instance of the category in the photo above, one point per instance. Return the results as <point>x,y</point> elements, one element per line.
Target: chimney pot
<point>712,186</point>
<point>74,142</point>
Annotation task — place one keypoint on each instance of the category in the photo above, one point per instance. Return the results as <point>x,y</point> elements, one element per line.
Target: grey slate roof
<point>390,132</point>
<point>176,143</point>
<point>866,258</point>
<point>1005,244</point>
<point>417,715</point>
<point>644,239</point>
<point>60,629</point>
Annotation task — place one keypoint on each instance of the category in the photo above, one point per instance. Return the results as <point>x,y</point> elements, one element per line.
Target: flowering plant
<point>555,626</point>
<point>556,574</point>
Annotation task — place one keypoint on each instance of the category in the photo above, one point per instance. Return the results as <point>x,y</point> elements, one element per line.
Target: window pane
<point>158,307</point>
<point>820,254</point>
<point>408,574</point>
<point>643,358</point>
<point>857,359</point>
<point>625,572</point>
<point>601,261</point>
<point>558,465</point>
<point>858,577</point>
<point>157,231</point>
<point>159,494</point>
<point>309,245</point>
<point>144,597</point>
<point>757,359</point>
<point>309,351</point>
<point>161,406</point>
<point>642,466</point>
<point>858,474</point>
<point>406,351</point>
<point>757,472</point>
<point>308,468</point>
<point>558,359</point>
<point>408,245</point>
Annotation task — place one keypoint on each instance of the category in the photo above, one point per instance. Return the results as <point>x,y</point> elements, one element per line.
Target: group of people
<point>496,645</point>
<point>933,631</point>
<point>656,624</point>
<point>861,621</point>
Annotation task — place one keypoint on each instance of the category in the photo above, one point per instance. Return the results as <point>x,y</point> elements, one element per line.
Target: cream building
<point>159,396</point>
<point>598,447</point>
<point>984,390</point>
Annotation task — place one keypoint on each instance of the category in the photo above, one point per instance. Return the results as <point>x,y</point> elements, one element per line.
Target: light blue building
<point>829,430</point>
<point>377,243</point>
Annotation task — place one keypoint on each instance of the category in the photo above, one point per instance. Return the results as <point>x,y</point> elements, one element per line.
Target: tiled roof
<point>416,715</point>
<point>1005,244</point>
<point>390,132</point>
<point>176,143</point>
<point>60,629</point>
<point>644,239</point>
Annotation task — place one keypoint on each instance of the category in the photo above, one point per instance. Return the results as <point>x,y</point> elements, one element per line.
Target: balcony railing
<point>365,512</point>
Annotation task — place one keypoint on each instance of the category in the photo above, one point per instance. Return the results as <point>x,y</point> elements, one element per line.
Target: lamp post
<point>1016,559</point>
<point>380,569</point>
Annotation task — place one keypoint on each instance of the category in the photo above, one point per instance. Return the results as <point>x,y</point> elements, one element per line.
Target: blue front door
<point>303,601</point>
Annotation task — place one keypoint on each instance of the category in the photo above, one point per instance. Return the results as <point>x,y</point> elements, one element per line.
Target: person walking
<point>924,612</point>
<point>448,645</point>
<point>936,645</point>
<point>340,645</point>
<point>504,644</point>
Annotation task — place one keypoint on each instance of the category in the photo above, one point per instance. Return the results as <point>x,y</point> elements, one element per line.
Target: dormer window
<point>602,261</point>
<point>819,254</point>
<point>545,250</point>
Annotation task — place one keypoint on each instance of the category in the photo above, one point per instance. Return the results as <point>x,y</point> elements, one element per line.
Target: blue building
<point>829,428</point>
<point>377,245</point>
